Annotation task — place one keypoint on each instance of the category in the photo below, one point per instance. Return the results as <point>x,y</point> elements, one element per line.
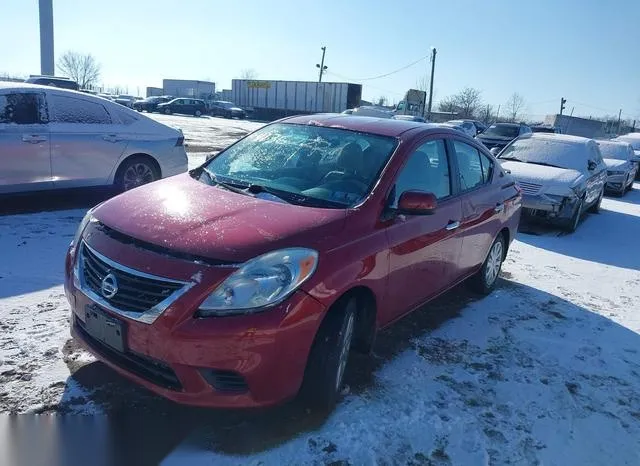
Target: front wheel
<point>574,221</point>
<point>198,113</point>
<point>167,111</point>
<point>136,171</point>
<point>595,208</point>
<point>485,279</point>
<point>329,355</point>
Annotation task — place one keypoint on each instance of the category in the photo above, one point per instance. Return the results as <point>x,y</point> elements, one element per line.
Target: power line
<point>387,91</point>
<point>385,74</point>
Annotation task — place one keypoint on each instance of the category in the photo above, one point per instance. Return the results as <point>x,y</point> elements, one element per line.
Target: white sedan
<point>52,138</point>
<point>621,169</point>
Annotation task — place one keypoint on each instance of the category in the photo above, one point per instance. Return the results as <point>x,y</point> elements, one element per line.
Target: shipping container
<point>189,88</point>
<point>271,100</point>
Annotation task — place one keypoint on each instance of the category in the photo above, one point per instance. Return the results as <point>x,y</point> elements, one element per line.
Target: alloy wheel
<point>494,263</point>
<point>137,175</point>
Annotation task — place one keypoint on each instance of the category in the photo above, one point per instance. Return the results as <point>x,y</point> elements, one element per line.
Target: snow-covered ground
<point>545,371</point>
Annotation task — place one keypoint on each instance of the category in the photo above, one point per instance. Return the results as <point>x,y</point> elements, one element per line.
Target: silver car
<point>560,176</point>
<point>54,138</point>
<point>621,169</point>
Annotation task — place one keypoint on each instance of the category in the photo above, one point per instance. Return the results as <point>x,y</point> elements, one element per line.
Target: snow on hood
<point>614,163</point>
<point>553,180</point>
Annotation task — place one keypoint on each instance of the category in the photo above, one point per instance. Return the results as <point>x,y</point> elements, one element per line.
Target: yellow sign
<point>259,84</point>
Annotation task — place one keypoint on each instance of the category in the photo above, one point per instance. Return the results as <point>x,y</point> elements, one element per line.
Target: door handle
<point>33,138</point>
<point>452,225</point>
<point>499,207</point>
<point>111,138</point>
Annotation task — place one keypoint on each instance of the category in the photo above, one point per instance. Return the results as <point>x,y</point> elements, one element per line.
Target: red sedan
<point>252,277</point>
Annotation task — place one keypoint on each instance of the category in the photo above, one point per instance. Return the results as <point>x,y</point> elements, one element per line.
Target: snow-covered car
<point>634,140</point>
<point>54,138</point>
<point>621,170</point>
<point>561,176</point>
<point>498,135</point>
<point>468,126</point>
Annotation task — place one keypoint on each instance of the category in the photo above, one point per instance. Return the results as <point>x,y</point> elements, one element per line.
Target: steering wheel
<point>346,177</point>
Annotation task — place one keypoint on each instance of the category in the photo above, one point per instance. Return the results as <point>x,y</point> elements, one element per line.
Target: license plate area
<point>105,328</point>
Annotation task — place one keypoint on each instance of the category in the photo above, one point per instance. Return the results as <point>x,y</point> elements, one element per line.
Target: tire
<point>136,171</point>
<point>484,281</point>
<point>197,113</point>
<point>595,208</point>
<point>574,221</point>
<point>327,361</point>
<point>167,111</point>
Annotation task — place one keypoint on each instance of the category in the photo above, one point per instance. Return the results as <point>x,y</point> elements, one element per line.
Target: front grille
<point>529,188</point>
<point>135,293</point>
<point>146,368</point>
<point>225,381</point>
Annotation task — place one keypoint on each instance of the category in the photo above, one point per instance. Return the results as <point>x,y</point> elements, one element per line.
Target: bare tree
<point>248,73</point>
<point>422,83</point>
<point>382,101</point>
<point>514,107</point>
<point>83,69</point>
<point>465,103</point>
<point>486,115</point>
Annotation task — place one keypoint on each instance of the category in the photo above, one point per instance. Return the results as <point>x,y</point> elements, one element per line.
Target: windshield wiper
<point>233,187</point>
<point>511,158</point>
<point>295,198</point>
<point>544,164</point>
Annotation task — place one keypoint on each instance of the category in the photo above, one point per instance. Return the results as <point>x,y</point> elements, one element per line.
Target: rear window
<point>502,131</point>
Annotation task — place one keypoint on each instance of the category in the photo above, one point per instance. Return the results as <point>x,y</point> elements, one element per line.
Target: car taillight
<point>180,141</point>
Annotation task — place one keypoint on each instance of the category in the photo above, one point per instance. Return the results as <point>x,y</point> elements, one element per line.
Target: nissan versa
<point>251,278</point>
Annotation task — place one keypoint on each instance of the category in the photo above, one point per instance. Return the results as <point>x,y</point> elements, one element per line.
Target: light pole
<point>433,67</point>
<point>46,38</point>
<point>321,65</point>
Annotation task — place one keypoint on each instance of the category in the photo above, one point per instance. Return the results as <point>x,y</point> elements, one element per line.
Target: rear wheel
<point>136,171</point>
<point>197,113</point>
<point>167,111</point>
<point>485,279</point>
<point>329,355</point>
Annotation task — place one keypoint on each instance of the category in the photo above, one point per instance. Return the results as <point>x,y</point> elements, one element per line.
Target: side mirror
<point>495,151</point>
<point>417,203</point>
<point>592,165</point>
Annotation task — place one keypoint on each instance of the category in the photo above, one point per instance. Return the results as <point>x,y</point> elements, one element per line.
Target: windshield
<point>611,150</point>
<point>502,131</point>
<point>314,163</point>
<point>559,154</point>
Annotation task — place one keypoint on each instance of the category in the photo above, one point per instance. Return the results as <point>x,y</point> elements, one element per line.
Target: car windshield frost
<point>310,165</point>
<point>543,152</point>
<point>615,151</point>
<point>501,131</point>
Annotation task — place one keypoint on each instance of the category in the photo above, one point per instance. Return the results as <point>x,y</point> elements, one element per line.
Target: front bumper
<point>548,207</point>
<point>226,362</point>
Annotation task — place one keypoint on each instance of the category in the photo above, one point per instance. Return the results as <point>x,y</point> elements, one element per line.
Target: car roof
<point>566,138</point>
<point>608,142</point>
<point>373,125</point>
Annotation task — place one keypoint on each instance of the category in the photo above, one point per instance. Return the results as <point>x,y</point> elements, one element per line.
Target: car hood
<point>185,215</point>
<point>542,178</point>
<point>614,163</point>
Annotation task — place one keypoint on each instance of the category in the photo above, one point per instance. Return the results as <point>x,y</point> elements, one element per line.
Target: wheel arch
<point>121,164</point>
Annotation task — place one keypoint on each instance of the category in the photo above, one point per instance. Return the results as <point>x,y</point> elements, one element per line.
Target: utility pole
<point>562,102</point>
<point>572,109</point>
<point>47,67</point>
<point>433,68</point>
<point>619,115</point>
<point>321,65</point>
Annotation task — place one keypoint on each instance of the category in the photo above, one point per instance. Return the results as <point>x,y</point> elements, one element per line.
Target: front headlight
<point>83,224</point>
<point>261,282</point>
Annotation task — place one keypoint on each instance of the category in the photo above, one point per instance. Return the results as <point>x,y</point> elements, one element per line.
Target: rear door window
<point>470,173</point>
<point>72,110</point>
<point>22,108</point>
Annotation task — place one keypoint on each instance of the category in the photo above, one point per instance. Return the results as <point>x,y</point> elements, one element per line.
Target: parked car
<point>454,126</point>
<point>150,104</point>
<point>498,135</point>
<point>544,129</point>
<point>226,109</point>
<point>561,176</point>
<point>621,169</point>
<point>410,118</point>
<point>53,81</point>
<point>52,138</point>
<point>480,126</point>
<point>370,111</point>
<point>126,100</point>
<point>468,126</point>
<point>254,275</point>
<point>185,106</point>
<point>634,140</point>
<point>107,96</point>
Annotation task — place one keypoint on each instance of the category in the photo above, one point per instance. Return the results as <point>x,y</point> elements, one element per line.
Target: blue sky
<point>584,50</point>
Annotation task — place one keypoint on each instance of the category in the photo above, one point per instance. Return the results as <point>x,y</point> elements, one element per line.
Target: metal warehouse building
<point>189,88</point>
